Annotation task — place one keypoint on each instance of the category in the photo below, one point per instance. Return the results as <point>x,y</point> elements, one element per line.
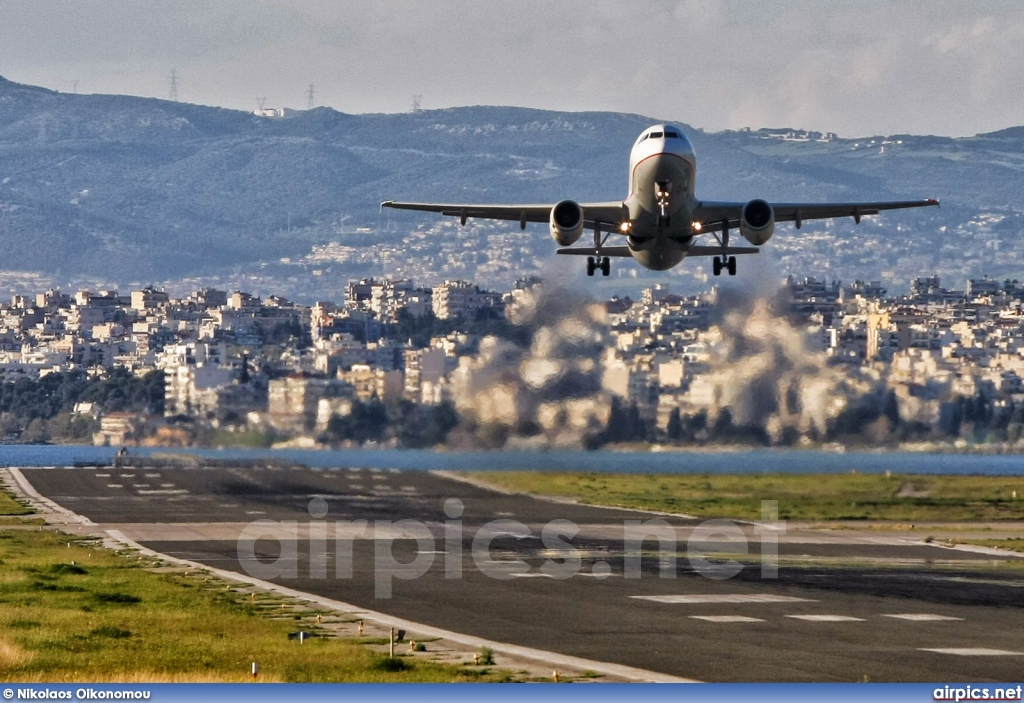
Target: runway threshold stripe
<point>724,598</point>
<point>826,618</point>
<point>726,618</point>
<point>919,617</point>
<point>974,652</point>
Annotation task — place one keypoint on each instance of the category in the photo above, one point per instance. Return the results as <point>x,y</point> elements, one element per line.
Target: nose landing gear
<point>603,263</point>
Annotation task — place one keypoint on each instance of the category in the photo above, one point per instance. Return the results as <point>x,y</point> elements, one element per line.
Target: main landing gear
<point>724,262</point>
<point>603,263</point>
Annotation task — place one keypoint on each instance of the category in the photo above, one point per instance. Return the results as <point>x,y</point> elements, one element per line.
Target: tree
<point>367,422</point>
<point>675,428</point>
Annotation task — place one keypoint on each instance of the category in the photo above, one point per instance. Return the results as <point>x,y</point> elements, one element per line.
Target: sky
<point>855,67</point>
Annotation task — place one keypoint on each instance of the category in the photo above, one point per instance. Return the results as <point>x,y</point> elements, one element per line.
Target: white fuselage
<point>662,175</point>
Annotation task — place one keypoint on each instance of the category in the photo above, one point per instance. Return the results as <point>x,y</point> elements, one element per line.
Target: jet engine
<point>757,222</point>
<point>566,222</point>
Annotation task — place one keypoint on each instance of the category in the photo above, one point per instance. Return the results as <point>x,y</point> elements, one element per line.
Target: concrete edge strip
<point>977,549</point>
<point>29,491</point>
<point>553,658</point>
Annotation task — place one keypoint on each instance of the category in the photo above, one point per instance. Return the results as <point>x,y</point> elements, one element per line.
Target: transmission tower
<point>261,101</point>
<point>74,86</point>
<point>173,93</point>
<point>416,102</point>
<point>310,95</point>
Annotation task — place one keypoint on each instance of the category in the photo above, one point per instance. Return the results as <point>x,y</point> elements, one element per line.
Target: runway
<point>844,605</point>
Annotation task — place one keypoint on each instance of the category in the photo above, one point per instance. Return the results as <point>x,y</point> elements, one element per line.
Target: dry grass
<point>11,655</point>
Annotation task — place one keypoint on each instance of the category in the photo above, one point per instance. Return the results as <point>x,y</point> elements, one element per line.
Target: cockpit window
<point>672,135</point>
<point>644,137</point>
<point>656,135</point>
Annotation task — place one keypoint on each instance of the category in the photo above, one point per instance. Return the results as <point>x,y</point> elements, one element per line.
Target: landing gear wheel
<point>606,266</point>
<point>731,265</point>
<point>716,266</point>
<point>591,266</point>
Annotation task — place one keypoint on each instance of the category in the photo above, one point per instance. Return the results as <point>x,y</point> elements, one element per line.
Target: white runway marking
<point>114,485</point>
<point>254,512</point>
<point>528,575</point>
<point>726,618</point>
<point>140,485</point>
<point>152,475</point>
<point>725,598</point>
<point>975,652</point>
<point>102,475</point>
<point>127,475</point>
<point>167,485</point>
<point>826,618</point>
<point>164,492</point>
<point>918,617</point>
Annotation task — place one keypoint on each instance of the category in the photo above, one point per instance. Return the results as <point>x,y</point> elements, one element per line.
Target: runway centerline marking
<point>919,617</point>
<point>726,618</point>
<point>974,652</point>
<point>114,485</point>
<point>826,618</point>
<point>724,598</point>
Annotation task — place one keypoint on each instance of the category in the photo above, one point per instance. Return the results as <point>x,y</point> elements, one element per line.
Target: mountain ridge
<point>109,184</point>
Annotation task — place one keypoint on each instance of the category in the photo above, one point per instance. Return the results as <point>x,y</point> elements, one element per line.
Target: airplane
<point>662,217</point>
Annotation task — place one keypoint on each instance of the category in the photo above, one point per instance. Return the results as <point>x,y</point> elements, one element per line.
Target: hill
<point>129,188</point>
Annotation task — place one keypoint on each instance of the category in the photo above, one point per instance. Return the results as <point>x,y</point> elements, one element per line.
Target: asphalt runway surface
<point>843,605</point>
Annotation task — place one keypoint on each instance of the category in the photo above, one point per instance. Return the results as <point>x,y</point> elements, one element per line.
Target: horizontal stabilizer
<point>592,251</point>
<point>720,251</point>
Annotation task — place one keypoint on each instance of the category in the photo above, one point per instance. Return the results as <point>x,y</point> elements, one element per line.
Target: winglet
<point>933,201</point>
<point>386,203</point>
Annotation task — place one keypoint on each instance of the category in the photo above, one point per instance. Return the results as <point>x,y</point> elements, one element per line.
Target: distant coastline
<point>734,461</point>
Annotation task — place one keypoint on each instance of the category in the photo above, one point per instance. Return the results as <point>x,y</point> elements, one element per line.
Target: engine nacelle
<point>566,222</point>
<point>757,223</point>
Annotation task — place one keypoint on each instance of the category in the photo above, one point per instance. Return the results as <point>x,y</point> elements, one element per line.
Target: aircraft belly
<point>658,254</point>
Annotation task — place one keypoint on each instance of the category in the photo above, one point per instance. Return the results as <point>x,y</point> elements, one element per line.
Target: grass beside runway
<point>9,506</point>
<point>909,498</point>
<point>85,613</point>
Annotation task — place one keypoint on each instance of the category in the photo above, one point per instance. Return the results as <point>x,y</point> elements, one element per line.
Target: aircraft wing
<point>712,214</point>
<point>620,252</point>
<point>607,215</point>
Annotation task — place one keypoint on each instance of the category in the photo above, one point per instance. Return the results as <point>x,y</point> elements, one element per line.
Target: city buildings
<point>791,365</point>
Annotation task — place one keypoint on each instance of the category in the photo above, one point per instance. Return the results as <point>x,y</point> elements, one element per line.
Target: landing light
<point>697,226</point>
<point>624,227</point>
